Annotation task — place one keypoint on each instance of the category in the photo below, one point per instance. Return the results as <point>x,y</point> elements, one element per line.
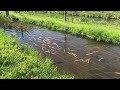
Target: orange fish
<point>43,48</point>
<point>47,51</point>
<point>117,72</point>
<point>92,53</point>
<point>100,59</point>
<point>73,54</point>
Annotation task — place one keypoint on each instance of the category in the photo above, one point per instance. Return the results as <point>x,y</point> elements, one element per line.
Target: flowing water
<point>81,57</point>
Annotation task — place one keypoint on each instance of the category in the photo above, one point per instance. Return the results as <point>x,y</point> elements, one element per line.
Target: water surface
<point>81,57</point>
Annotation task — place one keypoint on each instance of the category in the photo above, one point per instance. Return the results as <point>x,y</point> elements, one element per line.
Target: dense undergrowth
<point>19,61</point>
<point>99,32</point>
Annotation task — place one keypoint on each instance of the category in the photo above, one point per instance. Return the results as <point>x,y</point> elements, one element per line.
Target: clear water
<point>81,57</point>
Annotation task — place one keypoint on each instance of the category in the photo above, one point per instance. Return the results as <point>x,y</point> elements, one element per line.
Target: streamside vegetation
<point>18,61</point>
<point>92,14</point>
<point>99,32</point>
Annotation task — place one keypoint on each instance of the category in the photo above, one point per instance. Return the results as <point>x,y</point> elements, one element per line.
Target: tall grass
<point>99,32</point>
<point>19,61</point>
<point>106,17</point>
<point>94,14</point>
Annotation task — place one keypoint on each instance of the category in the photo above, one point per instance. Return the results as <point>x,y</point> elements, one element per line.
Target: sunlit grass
<point>93,14</point>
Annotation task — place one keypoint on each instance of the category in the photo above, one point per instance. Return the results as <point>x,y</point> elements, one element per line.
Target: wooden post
<point>7,13</point>
<point>65,16</point>
<point>72,16</point>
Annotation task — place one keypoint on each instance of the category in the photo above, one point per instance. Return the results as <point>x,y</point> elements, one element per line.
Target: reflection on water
<point>83,58</point>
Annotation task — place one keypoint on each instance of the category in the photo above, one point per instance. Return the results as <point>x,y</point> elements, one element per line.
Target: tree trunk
<point>65,16</point>
<point>7,13</point>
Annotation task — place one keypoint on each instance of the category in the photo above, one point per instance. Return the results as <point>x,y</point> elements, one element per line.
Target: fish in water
<point>39,38</point>
<point>30,39</point>
<point>88,60</point>
<point>35,44</point>
<point>71,50</point>
<point>47,51</point>
<point>33,38</point>
<point>117,73</point>
<point>46,41</point>
<point>49,37</point>
<point>85,61</point>
<point>79,60</point>
<point>43,48</point>
<point>51,47</point>
<point>55,44</point>
<point>44,45</point>
<point>64,50</point>
<point>52,50</point>
<point>76,60</point>
<point>92,53</point>
<point>100,59</point>
<point>73,54</point>
<point>53,53</point>
<point>97,47</point>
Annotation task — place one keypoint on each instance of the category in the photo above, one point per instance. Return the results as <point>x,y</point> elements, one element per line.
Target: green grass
<point>100,14</point>
<point>82,16</point>
<point>93,14</point>
<point>99,32</point>
<point>18,61</point>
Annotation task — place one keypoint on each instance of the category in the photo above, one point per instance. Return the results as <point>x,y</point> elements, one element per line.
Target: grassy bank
<point>92,14</point>
<point>104,17</point>
<point>19,61</point>
<point>99,32</point>
<point>100,14</point>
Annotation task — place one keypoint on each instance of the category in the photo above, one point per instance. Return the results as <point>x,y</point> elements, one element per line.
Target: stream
<point>75,55</point>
